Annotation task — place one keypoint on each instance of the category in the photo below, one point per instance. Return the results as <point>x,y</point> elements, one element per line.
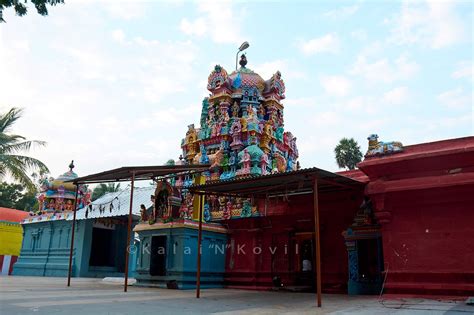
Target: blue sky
<point>112,83</point>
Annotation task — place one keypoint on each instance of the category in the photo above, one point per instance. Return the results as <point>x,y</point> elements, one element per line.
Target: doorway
<point>102,249</point>
<point>158,256</point>
<point>305,260</point>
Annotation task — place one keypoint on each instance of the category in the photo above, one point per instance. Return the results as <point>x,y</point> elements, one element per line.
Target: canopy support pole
<point>72,237</point>
<point>317,240</point>
<point>129,233</point>
<point>198,274</point>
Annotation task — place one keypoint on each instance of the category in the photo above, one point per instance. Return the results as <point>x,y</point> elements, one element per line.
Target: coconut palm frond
<point>8,139</point>
<point>7,120</point>
<point>20,146</point>
<point>29,163</point>
<point>12,147</point>
<point>17,170</point>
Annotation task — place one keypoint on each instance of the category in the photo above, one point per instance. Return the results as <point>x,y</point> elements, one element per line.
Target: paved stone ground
<point>37,295</point>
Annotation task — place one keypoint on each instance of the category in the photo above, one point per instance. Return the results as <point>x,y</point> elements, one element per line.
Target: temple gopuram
<point>241,134</point>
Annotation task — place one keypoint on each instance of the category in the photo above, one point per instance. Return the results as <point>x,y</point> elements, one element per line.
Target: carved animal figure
<point>381,148</point>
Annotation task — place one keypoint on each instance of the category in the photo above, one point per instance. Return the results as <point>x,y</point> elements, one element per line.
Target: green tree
<point>348,153</point>
<point>102,189</point>
<point>170,162</point>
<point>12,162</point>
<point>21,8</point>
<point>15,197</point>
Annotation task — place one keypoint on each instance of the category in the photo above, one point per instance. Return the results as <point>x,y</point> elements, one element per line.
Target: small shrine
<point>58,195</point>
<point>363,241</point>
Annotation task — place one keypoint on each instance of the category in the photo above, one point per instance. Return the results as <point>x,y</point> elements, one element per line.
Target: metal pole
<point>129,232</point>
<point>316,238</point>
<point>72,237</point>
<point>236,59</point>
<point>198,275</point>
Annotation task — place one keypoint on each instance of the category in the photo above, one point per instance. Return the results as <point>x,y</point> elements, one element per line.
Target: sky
<point>116,83</point>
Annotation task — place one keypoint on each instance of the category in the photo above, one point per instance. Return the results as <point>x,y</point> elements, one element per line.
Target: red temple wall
<point>424,200</point>
<point>285,225</point>
<point>428,241</point>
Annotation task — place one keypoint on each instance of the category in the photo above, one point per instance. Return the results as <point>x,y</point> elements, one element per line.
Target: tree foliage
<point>102,189</point>
<point>15,197</point>
<point>348,153</point>
<point>12,162</point>
<point>21,9</point>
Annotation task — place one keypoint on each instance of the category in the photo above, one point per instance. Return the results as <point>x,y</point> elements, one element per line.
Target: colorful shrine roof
<point>58,195</point>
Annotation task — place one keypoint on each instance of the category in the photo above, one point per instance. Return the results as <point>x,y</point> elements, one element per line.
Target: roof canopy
<point>124,174</point>
<point>296,182</point>
<point>116,204</point>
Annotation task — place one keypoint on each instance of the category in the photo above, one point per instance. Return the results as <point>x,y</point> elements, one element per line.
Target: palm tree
<point>348,153</point>
<point>12,162</point>
<point>103,189</point>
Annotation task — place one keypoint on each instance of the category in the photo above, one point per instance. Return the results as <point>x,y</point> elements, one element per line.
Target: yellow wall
<point>198,198</point>
<point>11,235</point>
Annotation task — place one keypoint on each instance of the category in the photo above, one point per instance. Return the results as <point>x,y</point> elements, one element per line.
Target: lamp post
<point>242,47</point>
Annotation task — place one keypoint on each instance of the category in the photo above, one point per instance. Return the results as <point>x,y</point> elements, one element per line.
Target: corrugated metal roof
<point>126,173</point>
<point>277,183</point>
<point>116,204</point>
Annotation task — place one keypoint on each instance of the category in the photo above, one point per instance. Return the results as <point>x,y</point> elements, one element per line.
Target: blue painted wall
<point>181,258</point>
<point>46,245</point>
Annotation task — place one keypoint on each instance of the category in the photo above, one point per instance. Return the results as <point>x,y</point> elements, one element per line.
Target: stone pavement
<point>37,295</point>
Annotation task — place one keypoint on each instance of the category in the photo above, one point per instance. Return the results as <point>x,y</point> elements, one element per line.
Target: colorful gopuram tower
<point>242,127</point>
<point>241,133</point>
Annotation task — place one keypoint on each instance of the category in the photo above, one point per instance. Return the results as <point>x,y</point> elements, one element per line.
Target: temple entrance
<point>158,256</point>
<point>364,248</point>
<point>102,248</point>
<point>305,260</point>
<point>368,256</point>
<point>107,248</point>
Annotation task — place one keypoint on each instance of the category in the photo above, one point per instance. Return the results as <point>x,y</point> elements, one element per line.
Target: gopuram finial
<point>243,61</point>
<point>71,166</point>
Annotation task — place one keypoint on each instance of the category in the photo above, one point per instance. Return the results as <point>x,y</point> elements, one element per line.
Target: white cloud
<point>328,43</point>
<point>396,96</point>
<point>197,27</point>
<point>118,35</point>
<point>343,12</point>
<point>359,34</point>
<point>464,69</point>
<point>301,102</point>
<point>126,10</point>
<point>221,20</point>
<point>433,23</point>
<point>267,69</point>
<point>456,98</point>
<point>336,85</point>
<point>384,70</point>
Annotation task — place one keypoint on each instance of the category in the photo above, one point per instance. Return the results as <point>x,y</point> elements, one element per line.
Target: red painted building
<point>283,236</point>
<point>423,204</point>
<point>424,200</point>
